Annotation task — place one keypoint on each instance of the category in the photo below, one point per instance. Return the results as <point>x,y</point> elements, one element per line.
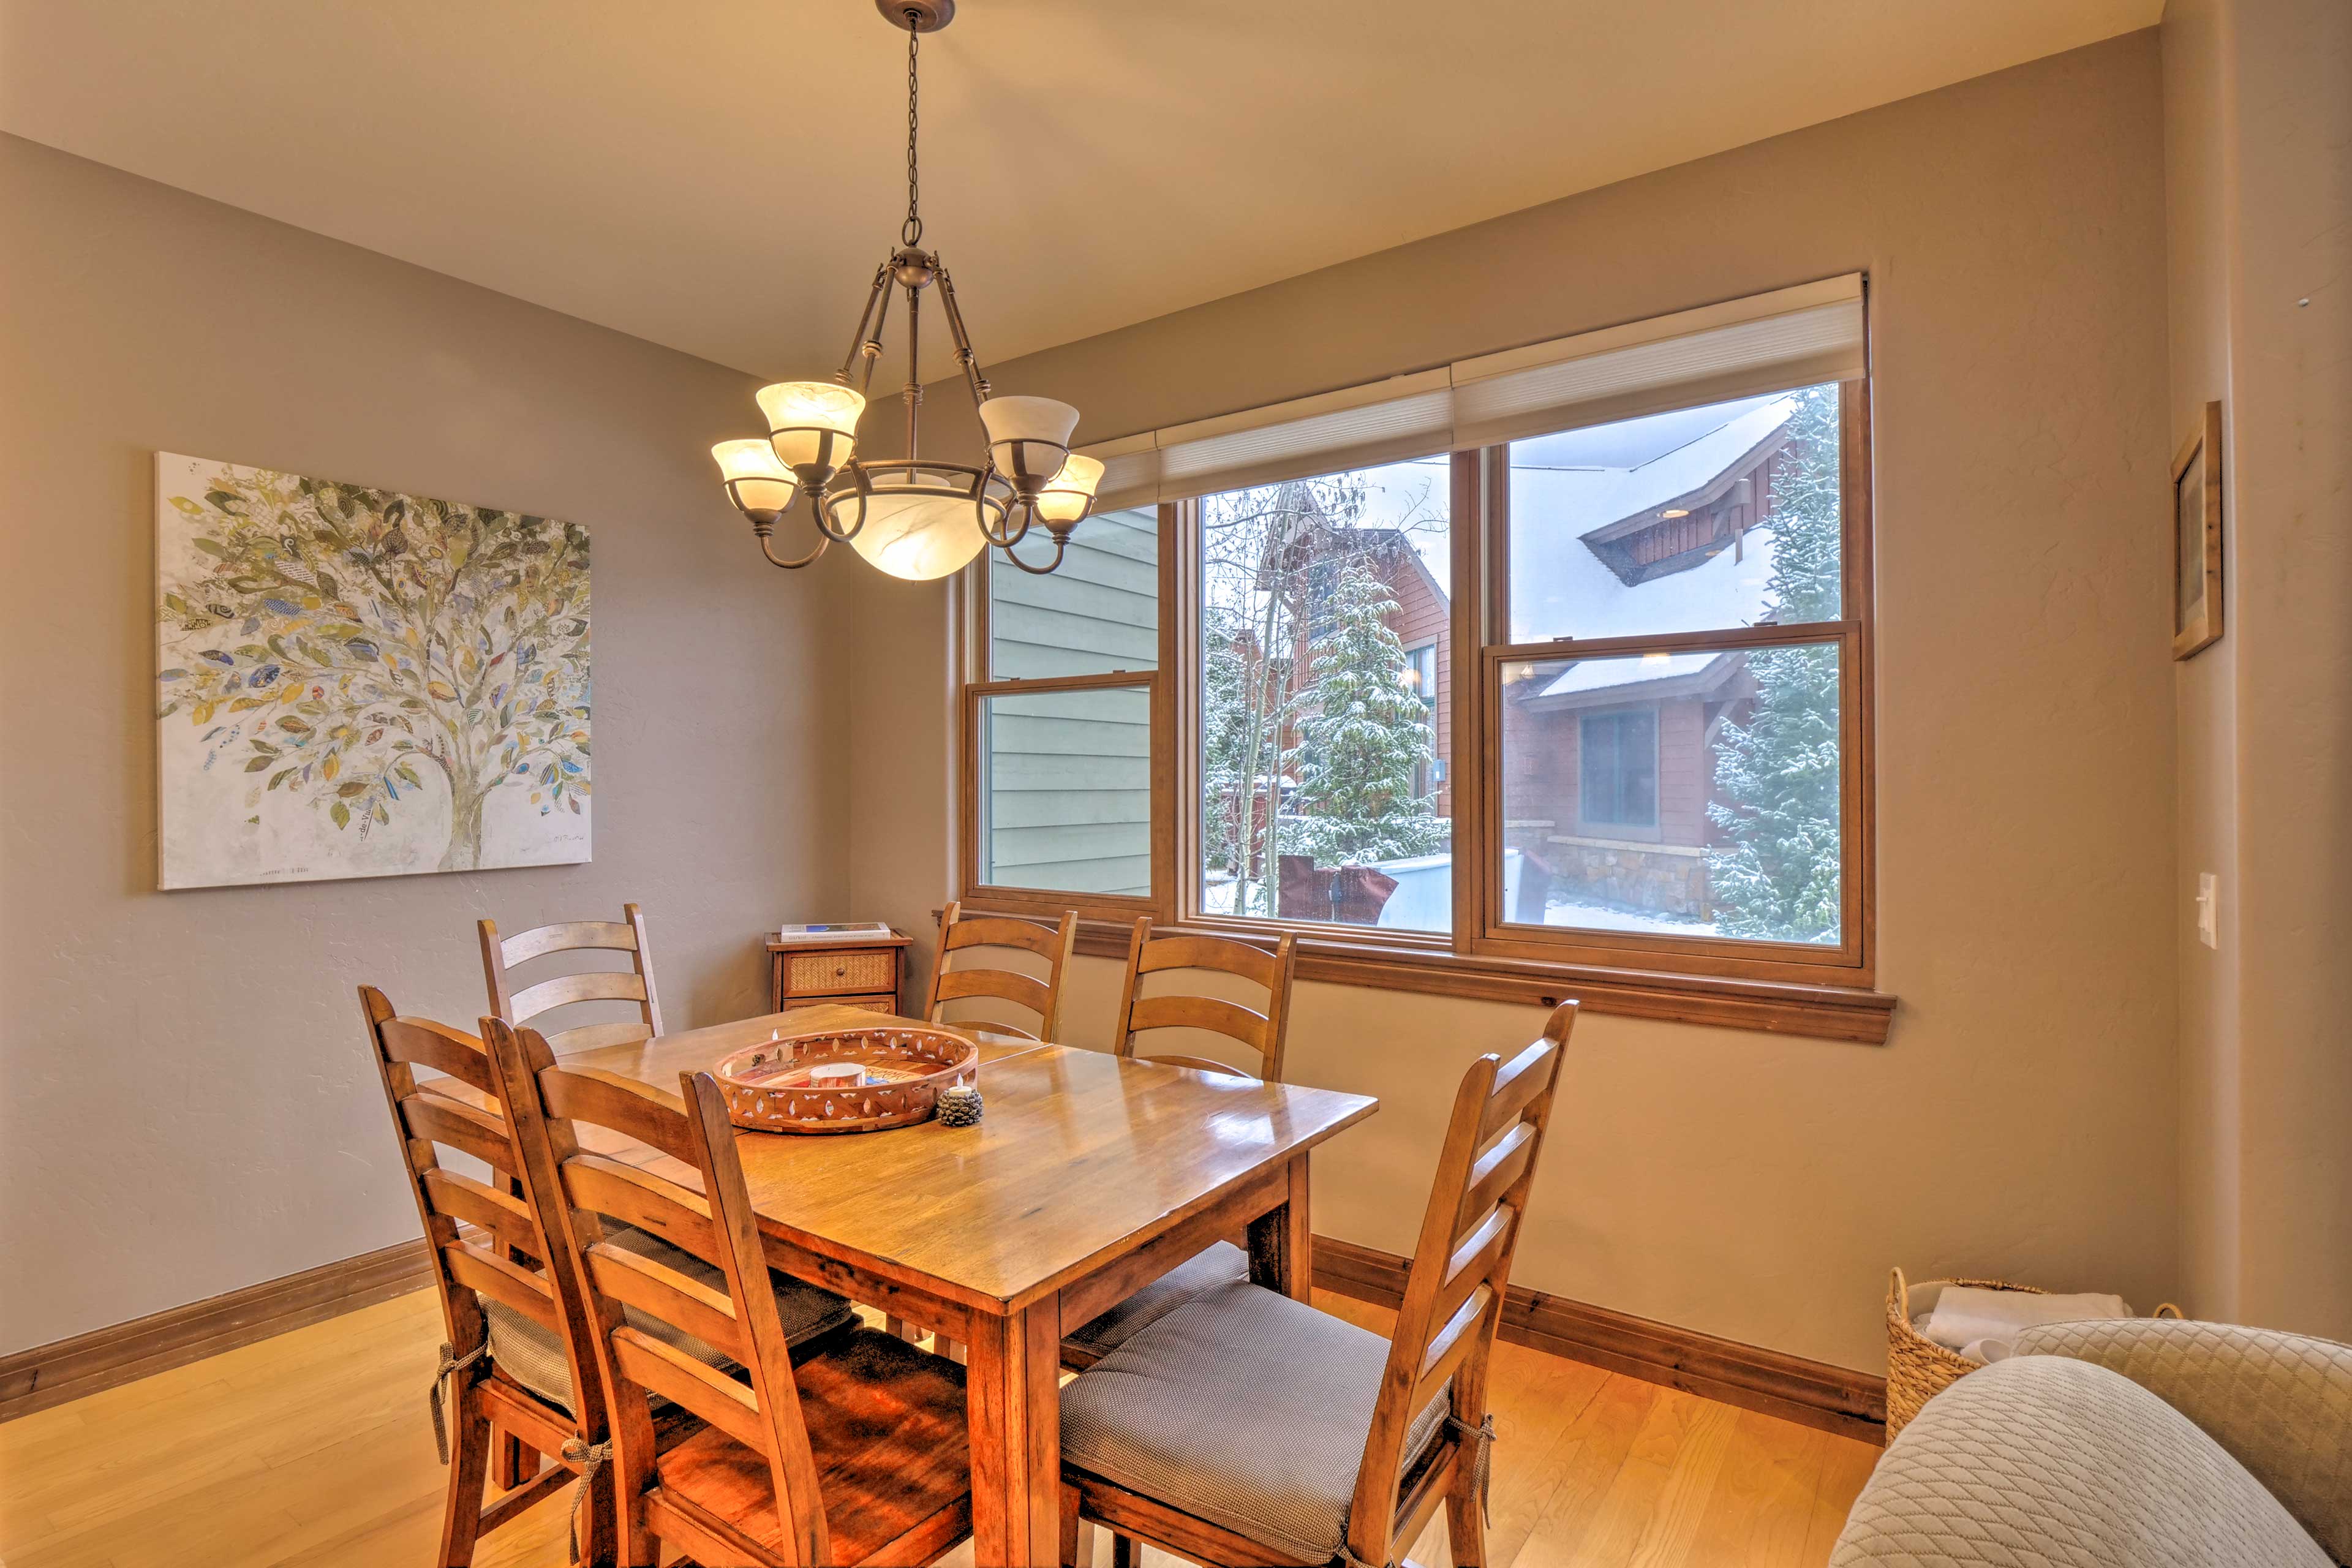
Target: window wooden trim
<point>1777,987</point>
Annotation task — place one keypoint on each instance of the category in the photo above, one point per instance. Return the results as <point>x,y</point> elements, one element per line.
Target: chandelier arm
<point>1061,543</point>
<point>872,347</point>
<point>769,550</point>
<point>964,354</point>
<point>822,512</point>
<point>1011,536</point>
<point>877,294</point>
<point>913,392</point>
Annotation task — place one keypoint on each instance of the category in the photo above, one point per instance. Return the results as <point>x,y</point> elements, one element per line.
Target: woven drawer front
<point>814,972</point>
<point>871,1004</point>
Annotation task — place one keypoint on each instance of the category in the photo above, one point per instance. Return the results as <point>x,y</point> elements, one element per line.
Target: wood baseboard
<point>1832,1398</point>
<point>50,1374</point>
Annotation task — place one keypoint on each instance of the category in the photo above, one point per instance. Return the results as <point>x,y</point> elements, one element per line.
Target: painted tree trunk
<point>464,851</point>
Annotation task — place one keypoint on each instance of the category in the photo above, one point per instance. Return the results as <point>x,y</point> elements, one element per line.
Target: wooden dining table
<point>1089,1176</point>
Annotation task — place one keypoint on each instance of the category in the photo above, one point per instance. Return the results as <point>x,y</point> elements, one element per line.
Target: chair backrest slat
<point>420,1042</point>
<point>574,1192</point>
<point>501,1281</point>
<point>668,1295</point>
<point>436,1118</point>
<point>627,1108</point>
<point>1265,1033</point>
<point>530,1004</point>
<point>959,932</point>
<point>1461,1268</point>
<point>486,1209</point>
<point>660,1369</point>
<point>568,936</point>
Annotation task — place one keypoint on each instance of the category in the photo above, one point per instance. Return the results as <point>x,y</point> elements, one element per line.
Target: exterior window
<point>1581,707</point>
<point>1060,735</point>
<point>1673,709</point>
<point>1617,763</point>
<point>1318,704</point>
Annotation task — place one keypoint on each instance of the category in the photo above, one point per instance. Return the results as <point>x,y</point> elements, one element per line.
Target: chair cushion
<point>1222,1264</point>
<point>2039,1460</point>
<point>886,1426</point>
<point>533,1354</point>
<point>1245,1408</point>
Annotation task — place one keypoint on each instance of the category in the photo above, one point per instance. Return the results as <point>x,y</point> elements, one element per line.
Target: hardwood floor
<point>315,1448</point>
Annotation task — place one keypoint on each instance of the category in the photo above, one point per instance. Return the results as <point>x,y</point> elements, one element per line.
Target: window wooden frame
<point>1783,987</point>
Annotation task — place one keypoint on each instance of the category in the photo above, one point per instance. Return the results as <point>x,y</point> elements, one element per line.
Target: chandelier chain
<point>911,232</point>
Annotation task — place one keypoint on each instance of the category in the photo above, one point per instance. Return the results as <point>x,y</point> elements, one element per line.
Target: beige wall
<point>2023,1119</point>
<point>2259,155</point>
<point>186,1105</point>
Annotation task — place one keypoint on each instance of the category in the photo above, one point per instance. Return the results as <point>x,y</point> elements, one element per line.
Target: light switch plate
<point>2209,909</point>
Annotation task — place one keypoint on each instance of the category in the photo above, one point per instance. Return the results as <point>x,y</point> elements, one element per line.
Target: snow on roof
<point>1565,486</point>
<point>1603,674</point>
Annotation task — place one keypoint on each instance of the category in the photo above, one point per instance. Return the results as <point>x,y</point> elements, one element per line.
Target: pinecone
<point>960,1105</point>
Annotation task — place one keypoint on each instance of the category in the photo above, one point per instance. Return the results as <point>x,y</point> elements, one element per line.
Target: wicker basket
<point>1917,1368</point>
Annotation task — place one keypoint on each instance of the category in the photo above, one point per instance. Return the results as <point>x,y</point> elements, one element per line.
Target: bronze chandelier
<point>913,517</point>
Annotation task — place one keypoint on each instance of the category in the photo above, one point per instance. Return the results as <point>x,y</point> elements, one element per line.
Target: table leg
<point>1282,1244</point>
<point>1015,1408</point>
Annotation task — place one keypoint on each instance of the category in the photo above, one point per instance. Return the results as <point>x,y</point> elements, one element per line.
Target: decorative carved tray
<point>768,1088</point>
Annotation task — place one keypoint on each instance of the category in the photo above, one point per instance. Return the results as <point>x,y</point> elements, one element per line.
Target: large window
<point>1060,796</point>
<point>1527,677</point>
<point>1324,617</point>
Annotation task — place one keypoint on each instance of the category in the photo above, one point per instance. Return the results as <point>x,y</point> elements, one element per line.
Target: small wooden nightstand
<point>867,973</point>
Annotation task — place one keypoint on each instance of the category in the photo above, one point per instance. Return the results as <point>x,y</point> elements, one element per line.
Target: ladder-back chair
<point>1263,1033</point>
<point>635,983</point>
<point>1248,1429</point>
<point>857,1454</point>
<point>504,1317</point>
<point>959,932</point>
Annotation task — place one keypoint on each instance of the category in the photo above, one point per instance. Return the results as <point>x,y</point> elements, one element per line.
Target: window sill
<point>1778,1007</point>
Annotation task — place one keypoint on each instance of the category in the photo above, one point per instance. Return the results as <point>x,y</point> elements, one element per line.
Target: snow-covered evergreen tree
<point>1363,732</point>
<point>1773,873</point>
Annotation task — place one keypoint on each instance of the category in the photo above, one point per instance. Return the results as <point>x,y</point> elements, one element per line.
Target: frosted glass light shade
<point>757,481</point>
<point>1027,435</point>
<point>918,537</point>
<point>801,412</point>
<point>1069,492</point>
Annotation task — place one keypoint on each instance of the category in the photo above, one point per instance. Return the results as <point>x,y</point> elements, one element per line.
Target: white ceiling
<point>723,176</point>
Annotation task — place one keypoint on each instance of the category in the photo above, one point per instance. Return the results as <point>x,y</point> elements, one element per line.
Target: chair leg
<point>1465,1528</point>
<point>951,1349</point>
<point>469,1456</point>
<point>1077,1537</point>
<point>512,1462</point>
<point>599,1532</point>
<point>1125,1551</point>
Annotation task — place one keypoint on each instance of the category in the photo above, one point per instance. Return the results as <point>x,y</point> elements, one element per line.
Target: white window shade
<point>1793,337</point>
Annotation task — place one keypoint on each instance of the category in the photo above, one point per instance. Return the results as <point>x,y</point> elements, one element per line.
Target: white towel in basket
<point>1967,1313</point>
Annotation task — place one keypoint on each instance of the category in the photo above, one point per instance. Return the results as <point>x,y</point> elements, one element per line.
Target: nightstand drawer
<point>843,972</point>
<point>871,1004</point>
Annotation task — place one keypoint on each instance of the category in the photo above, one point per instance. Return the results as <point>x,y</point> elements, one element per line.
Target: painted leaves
<point>354,643</point>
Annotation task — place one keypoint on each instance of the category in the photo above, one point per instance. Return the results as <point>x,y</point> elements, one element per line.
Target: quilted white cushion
<point>2043,1462</point>
<point>2280,1403</point>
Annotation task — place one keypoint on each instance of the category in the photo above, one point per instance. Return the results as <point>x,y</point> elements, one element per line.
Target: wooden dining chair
<point>959,932</point>
<point>857,1453</point>
<point>1248,1429</point>
<point>512,1377</point>
<point>635,983</point>
<point>1263,1033</point>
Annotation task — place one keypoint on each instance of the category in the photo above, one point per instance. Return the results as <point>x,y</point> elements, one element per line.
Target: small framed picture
<point>2197,538</point>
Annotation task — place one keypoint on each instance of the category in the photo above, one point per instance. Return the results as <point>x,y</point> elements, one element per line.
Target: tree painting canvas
<point>351,682</point>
